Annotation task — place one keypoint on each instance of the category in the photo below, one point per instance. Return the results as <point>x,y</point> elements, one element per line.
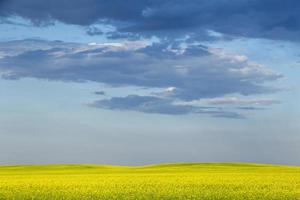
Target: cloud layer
<point>273,19</point>
<point>181,73</point>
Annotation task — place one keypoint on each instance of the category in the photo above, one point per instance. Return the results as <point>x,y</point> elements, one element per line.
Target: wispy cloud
<point>151,104</point>
<point>231,101</point>
<point>99,92</point>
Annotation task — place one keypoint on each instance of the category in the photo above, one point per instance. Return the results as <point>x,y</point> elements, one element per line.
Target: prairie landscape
<point>207,181</point>
<point>94,91</point>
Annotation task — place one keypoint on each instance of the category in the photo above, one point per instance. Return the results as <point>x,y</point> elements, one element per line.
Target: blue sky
<point>149,81</point>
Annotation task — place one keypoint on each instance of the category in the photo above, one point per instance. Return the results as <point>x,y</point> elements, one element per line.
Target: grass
<point>205,181</point>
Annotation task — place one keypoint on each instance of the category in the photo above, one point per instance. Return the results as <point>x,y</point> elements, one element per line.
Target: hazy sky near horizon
<point>149,81</point>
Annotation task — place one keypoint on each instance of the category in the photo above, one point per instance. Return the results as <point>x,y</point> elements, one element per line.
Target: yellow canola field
<point>203,181</point>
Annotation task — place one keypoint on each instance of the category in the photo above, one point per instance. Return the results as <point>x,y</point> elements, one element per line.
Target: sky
<point>149,81</point>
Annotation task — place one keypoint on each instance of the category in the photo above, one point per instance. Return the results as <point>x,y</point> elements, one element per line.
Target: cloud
<point>147,104</point>
<point>250,108</point>
<point>231,101</point>
<point>272,19</point>
<point>99,93</point>
<point>94,31</point>
<point>151,104</point>
<point>181,73</point>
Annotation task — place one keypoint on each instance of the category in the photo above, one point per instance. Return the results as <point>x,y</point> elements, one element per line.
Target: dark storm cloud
<point>274,19</point>
<point>182,74</point>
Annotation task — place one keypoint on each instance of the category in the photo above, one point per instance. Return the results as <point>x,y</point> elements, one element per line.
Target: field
<point>169,181</point>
